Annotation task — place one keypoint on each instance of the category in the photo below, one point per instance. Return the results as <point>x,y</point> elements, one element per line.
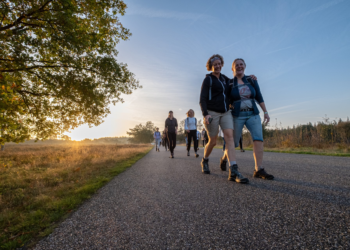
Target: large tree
<point>142,133</point>
<point>58,65</point>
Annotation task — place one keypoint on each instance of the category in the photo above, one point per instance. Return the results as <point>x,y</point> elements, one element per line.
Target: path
<point>163,203</point>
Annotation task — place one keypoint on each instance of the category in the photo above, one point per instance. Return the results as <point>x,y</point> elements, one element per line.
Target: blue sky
<point>299,50</point>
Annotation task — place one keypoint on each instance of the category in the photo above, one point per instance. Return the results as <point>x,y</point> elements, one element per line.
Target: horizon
<point>298,50</point>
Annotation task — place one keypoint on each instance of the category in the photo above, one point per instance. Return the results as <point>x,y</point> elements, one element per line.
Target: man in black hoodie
<point>171,129</point>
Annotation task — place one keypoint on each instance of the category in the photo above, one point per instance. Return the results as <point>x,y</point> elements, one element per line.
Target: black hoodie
<point>219,94</point>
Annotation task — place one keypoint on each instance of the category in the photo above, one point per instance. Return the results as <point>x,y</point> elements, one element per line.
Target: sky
<point>298,49</point>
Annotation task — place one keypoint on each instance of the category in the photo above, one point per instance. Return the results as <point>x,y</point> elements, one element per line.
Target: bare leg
<point>230,145</point>
<point>209,147</point>
<point>258,151</point>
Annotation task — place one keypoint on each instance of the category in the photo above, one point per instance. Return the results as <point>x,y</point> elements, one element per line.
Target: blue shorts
<point>253,124</point>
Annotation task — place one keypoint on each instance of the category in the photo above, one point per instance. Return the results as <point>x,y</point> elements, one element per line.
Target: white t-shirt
<point>190,123</point>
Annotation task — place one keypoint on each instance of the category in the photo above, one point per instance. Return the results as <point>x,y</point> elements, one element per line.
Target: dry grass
<point>40,184</point>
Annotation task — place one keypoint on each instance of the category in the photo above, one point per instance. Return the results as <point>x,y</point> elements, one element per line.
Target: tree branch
<point>19,20</point>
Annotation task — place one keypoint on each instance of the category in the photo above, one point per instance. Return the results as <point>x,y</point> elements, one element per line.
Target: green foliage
<point>58,65</point>
<point>142,133</point>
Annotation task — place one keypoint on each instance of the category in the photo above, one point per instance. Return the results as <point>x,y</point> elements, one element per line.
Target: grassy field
<point>42,184</point>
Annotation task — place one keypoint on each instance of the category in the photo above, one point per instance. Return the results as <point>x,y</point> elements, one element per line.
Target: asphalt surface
<point>162,203</point>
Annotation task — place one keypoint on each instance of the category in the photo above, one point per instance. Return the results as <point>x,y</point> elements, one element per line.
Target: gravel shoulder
<point>163,203</point>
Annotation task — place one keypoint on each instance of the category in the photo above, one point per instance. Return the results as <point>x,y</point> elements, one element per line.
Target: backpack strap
<point>251,81</point>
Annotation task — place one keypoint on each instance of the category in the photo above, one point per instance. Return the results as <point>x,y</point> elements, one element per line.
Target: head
<point>157,129</point>
<point>215,63</point>
<point>171,115</point>
<point>203,129</point>
<point>190,113</point>
<point>238,67</point>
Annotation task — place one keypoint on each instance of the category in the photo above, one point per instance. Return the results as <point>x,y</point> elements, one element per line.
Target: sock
<point>233,163</point>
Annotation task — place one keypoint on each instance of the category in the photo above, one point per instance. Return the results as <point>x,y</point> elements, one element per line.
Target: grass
<point>41,185</point>
<point>308,151</point>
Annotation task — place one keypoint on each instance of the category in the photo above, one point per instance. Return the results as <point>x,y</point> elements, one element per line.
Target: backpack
<point>210,85</point>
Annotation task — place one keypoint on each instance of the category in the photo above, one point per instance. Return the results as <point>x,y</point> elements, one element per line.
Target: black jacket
<point>219,94</point>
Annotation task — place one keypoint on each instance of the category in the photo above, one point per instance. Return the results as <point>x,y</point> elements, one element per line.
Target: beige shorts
<point>224,120</point>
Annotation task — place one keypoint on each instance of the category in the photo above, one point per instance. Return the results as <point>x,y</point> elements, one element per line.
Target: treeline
<point>319,135</point>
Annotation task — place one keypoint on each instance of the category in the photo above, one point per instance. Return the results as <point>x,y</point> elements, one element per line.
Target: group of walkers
<point>229,105</point>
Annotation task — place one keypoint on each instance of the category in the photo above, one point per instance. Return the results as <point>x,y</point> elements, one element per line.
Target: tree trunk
<point>2,147</point>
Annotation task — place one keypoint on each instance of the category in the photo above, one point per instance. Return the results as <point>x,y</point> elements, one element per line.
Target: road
<point>163,203</point>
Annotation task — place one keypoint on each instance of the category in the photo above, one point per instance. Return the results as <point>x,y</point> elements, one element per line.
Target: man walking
<point>171,129</point>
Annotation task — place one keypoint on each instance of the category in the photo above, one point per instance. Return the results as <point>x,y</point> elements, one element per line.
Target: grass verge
<point>305,151</point>
<point>39,186</point>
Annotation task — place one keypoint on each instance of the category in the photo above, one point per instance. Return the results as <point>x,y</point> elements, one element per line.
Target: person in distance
<point>191,130</point>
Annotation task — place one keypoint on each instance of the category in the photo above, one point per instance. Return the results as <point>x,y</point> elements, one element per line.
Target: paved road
<point>163,203</point>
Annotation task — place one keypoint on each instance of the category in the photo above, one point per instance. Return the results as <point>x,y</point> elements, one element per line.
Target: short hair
<point>234,62</point>
<point>189,112</point>
<point>210,63</point>
<point>170,111</point>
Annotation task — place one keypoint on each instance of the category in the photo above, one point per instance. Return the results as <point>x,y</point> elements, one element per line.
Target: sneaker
<point>205,166</point>
<point>261,173</point>
<point>234,175</point>
<point>188,153</point>
<point>223,164</point>
<point>242,150</point>
<point>196,155</point>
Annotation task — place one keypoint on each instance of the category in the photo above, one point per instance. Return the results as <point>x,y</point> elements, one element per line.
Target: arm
<point>204,96</point>
<point>266,114</point>
<point>166,125</point>
<point>176,126</point>
<point>186,125</point>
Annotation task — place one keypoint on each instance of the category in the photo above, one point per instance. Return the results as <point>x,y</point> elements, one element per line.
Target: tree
<point>142,134</point>
<point>58,66</point>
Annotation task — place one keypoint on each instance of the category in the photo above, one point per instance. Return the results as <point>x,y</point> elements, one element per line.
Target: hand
<point>206,119</point>
<point>187,131</point>
<point>266,118</point>
<point>253,77</point>
<point>176,131</point>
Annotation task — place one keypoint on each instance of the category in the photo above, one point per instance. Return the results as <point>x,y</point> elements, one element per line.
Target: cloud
<point>155,13</point>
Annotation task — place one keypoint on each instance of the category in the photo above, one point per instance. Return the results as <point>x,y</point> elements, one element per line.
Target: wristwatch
<point>266,113</point>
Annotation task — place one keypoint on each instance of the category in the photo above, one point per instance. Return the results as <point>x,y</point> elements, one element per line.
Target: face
<point>216,66</point>
<point>157,129</point>
<point>191,113</point>
<point>238,68</point>
<point>170,115</point>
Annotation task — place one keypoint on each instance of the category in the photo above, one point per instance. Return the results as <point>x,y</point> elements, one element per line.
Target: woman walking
<point>245,92</point>
<point>191,130</point>
<point>215,109</point>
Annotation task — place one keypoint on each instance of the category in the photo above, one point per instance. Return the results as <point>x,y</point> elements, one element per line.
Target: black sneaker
<point>205,166</point>
<point>234,175</point>
<point>242,150</point>
<point>223,164</point>
<point>188,153</point>
<point>261,173</point>
<point>196,155</point>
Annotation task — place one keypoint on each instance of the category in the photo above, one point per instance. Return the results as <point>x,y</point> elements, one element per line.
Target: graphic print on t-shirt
<point>245,93</point>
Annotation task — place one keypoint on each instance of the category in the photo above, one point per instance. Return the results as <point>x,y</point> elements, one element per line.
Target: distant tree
<point>58,65</point>
<point>199,125</point>
<point>142,133</point>
<point>66,138</point>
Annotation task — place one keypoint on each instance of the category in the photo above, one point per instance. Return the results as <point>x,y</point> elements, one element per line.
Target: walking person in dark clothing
<point>203,137</point>
<point>191,130</point>
<point>165,140</point>
<point>171,128</point>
